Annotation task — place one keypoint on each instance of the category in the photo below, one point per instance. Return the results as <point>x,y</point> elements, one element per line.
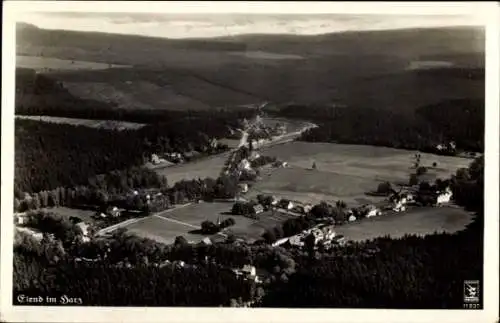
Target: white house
<point>399,203</point>
<point>286,204</point>
<point>257,208</point>
<point>249,270</point>
<point>155,159</point>
<point>307,208</point>
<point>352,218</point>
<point>244,164</point>
<point>372,211</point>
<point>207,241</point>
<point>21,218</point>
<point>297,240</point>
<point>85,231</point>
<point>444,197</point>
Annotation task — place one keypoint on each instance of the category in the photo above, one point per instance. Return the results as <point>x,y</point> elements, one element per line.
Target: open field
<point>252,230</point>
<point>419,221</point>
<point>165,226</point>
<point>344,172</point>
<point>162,230</point>
<point>49,63</point>
<point>203,168</point>
<point>104,124</point>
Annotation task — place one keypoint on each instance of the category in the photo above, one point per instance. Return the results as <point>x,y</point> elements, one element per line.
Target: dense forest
<point>51,155</point>
<point>461,121</point>
<point>134,286</point>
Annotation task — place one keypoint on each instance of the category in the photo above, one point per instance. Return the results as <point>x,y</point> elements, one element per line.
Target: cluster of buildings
<point>322,233</point>
<point>446,147</point>
<point>21,224</point>
<point>265,202</point>
<point>248,272</point>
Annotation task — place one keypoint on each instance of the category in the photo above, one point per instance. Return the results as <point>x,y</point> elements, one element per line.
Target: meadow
<point>345,172</point>
<point>203,168</point>
<point>186,221</point>
<point>418,221</point>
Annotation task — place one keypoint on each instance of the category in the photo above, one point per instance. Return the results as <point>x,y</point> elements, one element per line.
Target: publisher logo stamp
<point>471,291</point>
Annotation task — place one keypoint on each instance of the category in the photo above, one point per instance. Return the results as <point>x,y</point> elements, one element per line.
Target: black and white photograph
<point>258,159</point>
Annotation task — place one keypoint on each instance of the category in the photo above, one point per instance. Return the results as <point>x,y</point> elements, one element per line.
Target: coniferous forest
<point>461,121</point>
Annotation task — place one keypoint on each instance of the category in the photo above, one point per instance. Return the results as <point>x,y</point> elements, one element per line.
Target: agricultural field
<point>344,172</point>
<point>162,230</point>
<point>103,124</point>
<point>418,221</point>
<point>185,221</point>
<point>252,230</point>
<point>40,63</point>
<point>166,226</point>
<point>203,168</point>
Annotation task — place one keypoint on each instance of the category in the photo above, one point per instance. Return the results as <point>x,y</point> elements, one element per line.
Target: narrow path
<point>178,222</point>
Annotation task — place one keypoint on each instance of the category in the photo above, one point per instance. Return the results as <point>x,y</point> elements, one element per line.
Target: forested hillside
<point>461,121</point>
<point>49,155</point>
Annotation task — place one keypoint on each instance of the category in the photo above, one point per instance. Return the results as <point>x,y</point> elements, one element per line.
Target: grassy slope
<point>357,68</point>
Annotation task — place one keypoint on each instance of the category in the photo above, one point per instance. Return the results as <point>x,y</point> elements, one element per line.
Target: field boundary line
<point>176,221</point>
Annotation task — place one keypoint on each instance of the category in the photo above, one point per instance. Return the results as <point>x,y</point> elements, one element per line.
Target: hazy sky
<point>213,25</point>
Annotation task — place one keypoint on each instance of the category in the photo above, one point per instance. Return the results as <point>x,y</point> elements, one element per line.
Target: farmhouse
<point>84,227</point>
<point>297,240</point>
<point>257,209</point>
<point>371,211</point>
<point>399,202</point>
<point>248,272</point>
<point>286,204</point>
<point>444,196</point>
<point>113,211</point>
<point>244,165</point>
<point>352,218</point>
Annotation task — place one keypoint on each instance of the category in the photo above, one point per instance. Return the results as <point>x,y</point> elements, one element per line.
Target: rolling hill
<point>370,68</point>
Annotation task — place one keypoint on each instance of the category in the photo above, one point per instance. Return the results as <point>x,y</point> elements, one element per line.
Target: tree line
<point>461,121</point>
<point>78,152</point>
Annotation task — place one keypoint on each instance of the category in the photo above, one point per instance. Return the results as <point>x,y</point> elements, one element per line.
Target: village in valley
<point>312,171</point>
<point>285,222</point>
